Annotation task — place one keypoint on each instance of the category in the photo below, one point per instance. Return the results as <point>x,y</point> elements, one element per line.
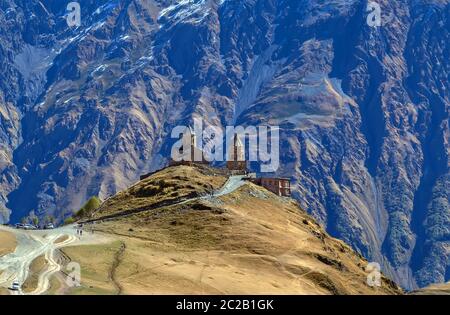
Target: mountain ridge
<point>98,112</point>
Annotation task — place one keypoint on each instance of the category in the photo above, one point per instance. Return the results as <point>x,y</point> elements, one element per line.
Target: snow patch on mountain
<point>193,11</point>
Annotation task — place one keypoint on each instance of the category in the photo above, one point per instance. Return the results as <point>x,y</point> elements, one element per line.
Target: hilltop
<point>176,234</point>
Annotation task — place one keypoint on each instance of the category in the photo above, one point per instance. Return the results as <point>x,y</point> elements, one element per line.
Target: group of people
<point>80,231</point>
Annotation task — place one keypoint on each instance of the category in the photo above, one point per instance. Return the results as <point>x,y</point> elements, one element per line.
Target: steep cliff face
<point>363,111</point>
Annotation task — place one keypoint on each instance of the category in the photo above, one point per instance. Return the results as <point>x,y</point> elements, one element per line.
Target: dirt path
<point>117,259</point>
<point>53,266</point>
<point>233,183</point>
<point>30,245</point>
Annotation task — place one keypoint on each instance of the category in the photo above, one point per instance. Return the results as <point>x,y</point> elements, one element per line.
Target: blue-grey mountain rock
<point>363,110</point>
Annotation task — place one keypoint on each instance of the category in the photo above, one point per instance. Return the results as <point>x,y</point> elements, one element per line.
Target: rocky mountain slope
<point>363,111</point>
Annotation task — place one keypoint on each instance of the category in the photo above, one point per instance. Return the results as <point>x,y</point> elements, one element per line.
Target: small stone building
<point>278,185</point>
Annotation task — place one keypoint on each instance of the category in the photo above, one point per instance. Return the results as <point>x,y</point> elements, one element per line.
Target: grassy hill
<point>165,187</point>
<point>248,242</point>
<point>435,289</point>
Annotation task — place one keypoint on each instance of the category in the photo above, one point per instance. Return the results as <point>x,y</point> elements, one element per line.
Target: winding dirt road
<point>30,245</point>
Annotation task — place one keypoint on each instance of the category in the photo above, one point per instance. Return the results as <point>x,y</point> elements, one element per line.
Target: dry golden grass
<point>248,242</point>
<point>192,225</point>
<point>97,263</point>
<point>435,289</point>
<point>278,228</point>
<point>36,268</point>
<point>4,291</point>
<point>61,239</point>
<point>8,243</point>
<point>168,185</point>
<point>56,284</point>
